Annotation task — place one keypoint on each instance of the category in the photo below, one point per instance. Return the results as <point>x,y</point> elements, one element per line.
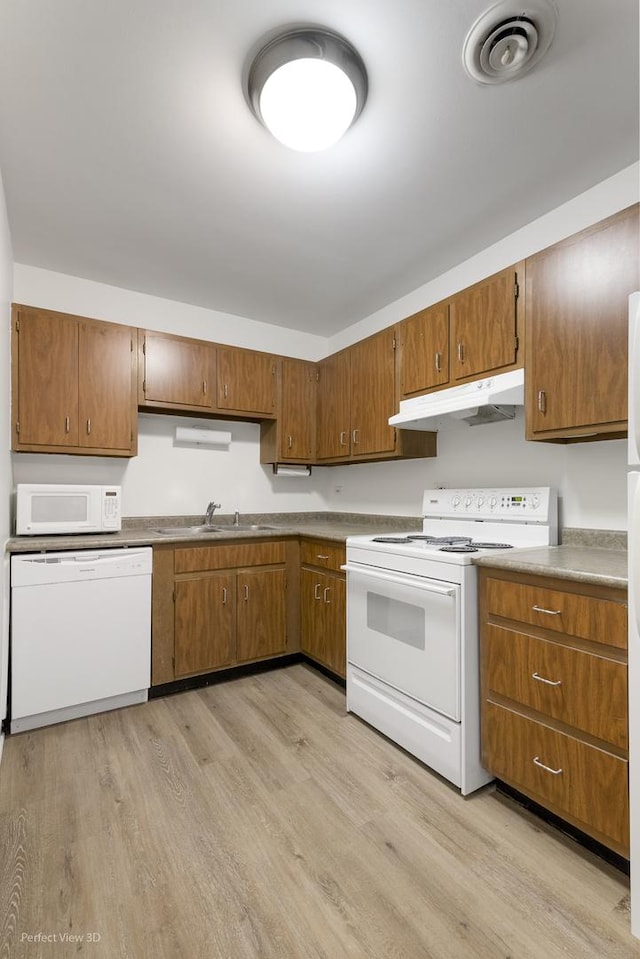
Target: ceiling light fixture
<point>307,86</point>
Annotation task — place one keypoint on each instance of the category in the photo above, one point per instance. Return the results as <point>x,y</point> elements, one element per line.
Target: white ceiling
<point>129,155</point>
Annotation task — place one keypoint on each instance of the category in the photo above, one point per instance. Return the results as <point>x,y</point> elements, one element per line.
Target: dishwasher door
<point>80,633</point>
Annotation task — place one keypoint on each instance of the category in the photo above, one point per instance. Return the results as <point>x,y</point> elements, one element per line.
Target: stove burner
<point>492,545</point>
<point>460,548</point>
<point>437,540</point>
<point>390,539</point>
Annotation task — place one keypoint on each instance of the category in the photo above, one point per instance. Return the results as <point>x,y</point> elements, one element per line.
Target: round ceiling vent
<point>507,41</point>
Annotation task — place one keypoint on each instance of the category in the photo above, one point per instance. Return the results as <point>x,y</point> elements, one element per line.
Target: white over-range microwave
<point>46,508</point>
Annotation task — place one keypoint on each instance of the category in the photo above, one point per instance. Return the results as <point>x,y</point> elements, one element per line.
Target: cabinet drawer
<point>322,553</point>
<point>599,620</point>
<point>575,687</point>
<point>588,785</point>
<point>194,558</point>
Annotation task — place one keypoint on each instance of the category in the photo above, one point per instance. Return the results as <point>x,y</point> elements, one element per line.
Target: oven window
<point>402,621</point>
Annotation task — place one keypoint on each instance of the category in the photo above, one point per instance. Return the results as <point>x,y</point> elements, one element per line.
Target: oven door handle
<point>417,582</point>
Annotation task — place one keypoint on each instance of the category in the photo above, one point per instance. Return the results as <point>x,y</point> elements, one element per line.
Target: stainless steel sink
<point>200,530</point>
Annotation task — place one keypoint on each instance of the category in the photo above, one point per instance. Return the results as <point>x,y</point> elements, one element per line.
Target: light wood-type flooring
<point>256,819</point>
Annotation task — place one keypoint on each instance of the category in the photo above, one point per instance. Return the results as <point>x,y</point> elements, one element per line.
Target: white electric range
<point>412,621</point>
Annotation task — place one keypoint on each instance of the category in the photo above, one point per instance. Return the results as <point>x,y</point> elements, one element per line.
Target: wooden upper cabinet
<point>373,394</point>
<point>484,325</point>
<point>73,384</point>
<point>333,418</point>
<point>106,398</point>
<point>176,372</point>
<point>423,347</point>
<point>577,329</point>
<point>292,437</point>
<point>247,381</point>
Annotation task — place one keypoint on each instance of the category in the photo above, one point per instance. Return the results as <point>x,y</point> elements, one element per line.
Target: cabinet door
<point>312,613</point>
<point>424,351</point>
<point>334,599</point>
<point>204,623</point>
<point>247,381</point>
<point>484,325</point>
<point>45,379</point>
<point>373,394</point>
<point>177,371</point>
<point>577,319</point>
<point>298,410</point>
<point>262,613</point>
<point>106,393</point>
<point>333,422</point>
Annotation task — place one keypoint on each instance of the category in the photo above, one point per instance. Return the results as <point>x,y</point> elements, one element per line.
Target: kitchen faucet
<point>236,518</point>
<point>211,508</point>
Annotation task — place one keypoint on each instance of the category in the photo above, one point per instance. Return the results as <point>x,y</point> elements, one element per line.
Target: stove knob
<point>493,502</point>
<point>468,500</point>
<point>455,502</point>
<point>480,502</point>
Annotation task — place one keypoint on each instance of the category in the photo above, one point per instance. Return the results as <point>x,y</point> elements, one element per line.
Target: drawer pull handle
<point>549,682</point>
<point>321,556</point>
<point>549,612</point>
<point>554,772</point>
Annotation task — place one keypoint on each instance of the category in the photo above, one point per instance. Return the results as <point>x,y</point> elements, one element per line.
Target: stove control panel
<point>525,505</point>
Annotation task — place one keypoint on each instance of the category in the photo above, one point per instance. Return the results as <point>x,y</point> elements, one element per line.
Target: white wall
<point>590,477</point>
<point>6,295</point>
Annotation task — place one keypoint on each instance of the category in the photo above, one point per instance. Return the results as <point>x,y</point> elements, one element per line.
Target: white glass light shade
<point>308,104</point>
<point>307,86</point>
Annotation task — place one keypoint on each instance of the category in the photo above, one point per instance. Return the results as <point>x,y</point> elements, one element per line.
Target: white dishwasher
<point>80,633</point>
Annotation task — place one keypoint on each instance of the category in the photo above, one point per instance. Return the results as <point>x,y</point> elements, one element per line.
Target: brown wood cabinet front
<point>484,325</point>
<point>373,394</point>
<point>423,345</point>
<point>323,604</point>
<point>73,384</point>
<point>292,437</point>
<point>176,372</point>
<point>577,330</point>
<point>554,714</point>
<point>262,613</point>
<point>204,623</point>
<point>247,381</point>
<point>334,413</point>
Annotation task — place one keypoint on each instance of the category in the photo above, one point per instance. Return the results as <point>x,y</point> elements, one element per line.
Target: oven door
<point>405,630</point>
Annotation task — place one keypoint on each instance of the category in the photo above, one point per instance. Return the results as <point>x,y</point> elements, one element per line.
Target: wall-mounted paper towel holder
<point>203,437</point>
<point>288,469</point>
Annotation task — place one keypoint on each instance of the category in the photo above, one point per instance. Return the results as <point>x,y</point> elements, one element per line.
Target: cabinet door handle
<point>315,591</point>
<point>224,595</point>
<point>67,424</point>
<point>343,438</point>
<point>225,391</point>
<point>438,362</point>
<point>354,437</point>
<point>326,590</point>
<point>204,387</point>
<point>246,592</point>
<point>460,352</point>
<point>542,401</point>
<point>89,427</point>
<point>321,556</point>
<point>548,612</point>
<point>554,772</point>
<point>549,682</point>
<point>290,442</point>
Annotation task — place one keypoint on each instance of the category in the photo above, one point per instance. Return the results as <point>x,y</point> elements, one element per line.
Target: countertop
<point>141,531</point>
<point>600,566</point>
<point>587,556</point>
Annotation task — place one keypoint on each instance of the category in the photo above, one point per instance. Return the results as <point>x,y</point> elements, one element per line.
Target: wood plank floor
<point>256,819</point>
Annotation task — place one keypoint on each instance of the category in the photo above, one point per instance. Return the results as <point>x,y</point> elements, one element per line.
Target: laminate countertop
<point>142,531</point>
<point>582,564</point>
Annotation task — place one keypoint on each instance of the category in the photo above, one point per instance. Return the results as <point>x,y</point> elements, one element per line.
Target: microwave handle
<point>418,582</point>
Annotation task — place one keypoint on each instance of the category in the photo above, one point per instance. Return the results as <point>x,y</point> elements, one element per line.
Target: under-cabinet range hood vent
<point>481,401</point>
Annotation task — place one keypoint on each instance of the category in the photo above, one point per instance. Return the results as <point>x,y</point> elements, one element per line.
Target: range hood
<point>481,401</point>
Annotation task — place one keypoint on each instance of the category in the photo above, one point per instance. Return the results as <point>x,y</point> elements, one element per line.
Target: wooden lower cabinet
<point>216,606</point>
<point>554,713</point>
<point>323,604</point>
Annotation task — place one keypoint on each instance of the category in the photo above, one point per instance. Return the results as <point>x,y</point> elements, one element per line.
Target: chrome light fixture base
<point>308,44</point>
